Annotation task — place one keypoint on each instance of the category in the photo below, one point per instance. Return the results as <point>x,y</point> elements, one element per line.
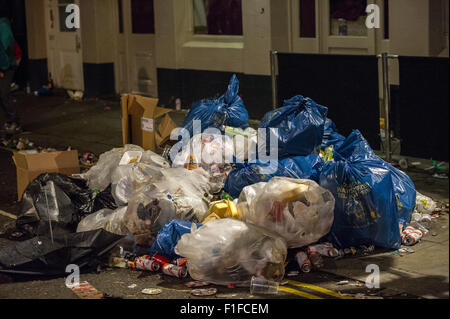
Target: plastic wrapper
<point>180,194</point>
<point>54,202</point>
<point>168,238</point>
<point>299,210</point>
<point>300,123</point>
<point>244,141</point>
<point>372,197</point>
<point>229,251</point>
<point>211,152</point>
<point>301,167</point>
<point>228,109</point>
<point>110,220</point>
<point>424,204</point>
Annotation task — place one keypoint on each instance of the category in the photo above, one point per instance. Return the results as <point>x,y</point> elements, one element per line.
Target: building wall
<point>417,27</point>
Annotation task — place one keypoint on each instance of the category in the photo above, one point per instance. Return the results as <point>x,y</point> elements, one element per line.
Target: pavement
<point>95,126</point>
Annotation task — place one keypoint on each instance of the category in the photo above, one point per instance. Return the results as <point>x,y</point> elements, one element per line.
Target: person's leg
<point>8,107</point>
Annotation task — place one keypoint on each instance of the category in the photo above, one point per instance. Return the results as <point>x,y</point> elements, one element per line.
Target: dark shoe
<point>13,128</point>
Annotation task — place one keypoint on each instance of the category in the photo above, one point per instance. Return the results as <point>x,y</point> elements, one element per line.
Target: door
<point>135,57</point>
<point>65,58</point>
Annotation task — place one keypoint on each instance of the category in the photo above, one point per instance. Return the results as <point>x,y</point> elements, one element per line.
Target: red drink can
<point>161,260</point>
<point>411,236</point>
<point>144,263</point>
<point>303,261</point>
<point>326,250</point>
<point>173,270</point>
<point>180,262</point>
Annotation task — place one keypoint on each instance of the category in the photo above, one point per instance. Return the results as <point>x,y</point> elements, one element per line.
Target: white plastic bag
<point>229,251</point>
<point>99,176</point>
<point>179,194</point>
<point>126,179</point>
<point>299,210</point>
<point>110,220</point>
<point>211,152</point>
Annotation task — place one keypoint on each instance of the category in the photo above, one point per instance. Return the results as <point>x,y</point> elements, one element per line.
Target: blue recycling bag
<point>307,167</point>
<point>228,110</point>
<point>331,136</point>
<point>372,197</point>
<point>300,126</point>
<point>168,238</point>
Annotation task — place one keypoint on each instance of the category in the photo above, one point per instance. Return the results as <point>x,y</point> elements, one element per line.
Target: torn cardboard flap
<point>140,116</point>
<point>30,166</point>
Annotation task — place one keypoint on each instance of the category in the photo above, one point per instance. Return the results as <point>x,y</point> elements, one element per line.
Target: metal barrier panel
<point>424,104</point>
<point>346,84</point>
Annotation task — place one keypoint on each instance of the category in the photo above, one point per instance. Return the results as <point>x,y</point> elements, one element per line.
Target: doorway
<point>135,65</point>
<point>65,56</point>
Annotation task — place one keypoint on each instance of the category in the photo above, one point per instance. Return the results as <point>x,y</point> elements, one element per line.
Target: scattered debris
<point>151,291</point>
<point>204,292</point>
<point>85,290</point>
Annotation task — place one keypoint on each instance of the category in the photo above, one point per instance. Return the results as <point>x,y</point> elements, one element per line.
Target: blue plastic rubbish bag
<point>307,167</point>
<point>227,110</point>
<point>300,123</point>
<point>372,197</point>
<point>331,136</point>
<point>168,238</point>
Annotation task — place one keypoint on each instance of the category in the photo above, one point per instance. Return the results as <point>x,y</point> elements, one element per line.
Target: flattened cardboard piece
<point>30,166</point>
<point>165,128</point>
<point>139,119</point>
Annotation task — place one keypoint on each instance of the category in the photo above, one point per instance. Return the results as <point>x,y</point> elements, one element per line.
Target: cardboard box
<point>144,123</point>
<point>30,166</point>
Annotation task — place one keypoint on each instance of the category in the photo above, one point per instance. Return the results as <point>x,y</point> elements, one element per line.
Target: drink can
<point>180,262</point>
<point>192,163</point>
<point>173,270</point>
<point>161,260</point>
<point>143,263</point>
<point>411,236</point>
<point>326,250</point>
<point>303,261</point>
<point>120,262</point>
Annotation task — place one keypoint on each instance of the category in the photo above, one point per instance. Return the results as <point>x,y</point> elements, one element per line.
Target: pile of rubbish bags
<point>216,211</point>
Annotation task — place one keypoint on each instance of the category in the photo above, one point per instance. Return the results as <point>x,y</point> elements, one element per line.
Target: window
<point>348,17</point>
<point>142,16</point>
<point>307,18</point>
<point>120,8</point>
<point>218,17</point>
<point>386,19</point>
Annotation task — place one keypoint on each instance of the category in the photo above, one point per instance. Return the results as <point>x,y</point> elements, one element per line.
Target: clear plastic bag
<point>180,194</point>
<point>109,220</point>
<point>424,204</point>
<point>229,251</point>
<point>299,210</point>
<point>99,176</point>
<point>126,179</point>
<point>211,152</point>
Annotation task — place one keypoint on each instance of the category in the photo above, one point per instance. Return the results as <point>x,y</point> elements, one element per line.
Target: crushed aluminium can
<point>411,236</point>
<point>151,291</point>
<point>180,262</point>
<point>146,263</point>
<point>161,260</point>
<point>325,249</point>
<point>174,270</point>
<point>303,261</point>
<point>204,292</point>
